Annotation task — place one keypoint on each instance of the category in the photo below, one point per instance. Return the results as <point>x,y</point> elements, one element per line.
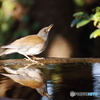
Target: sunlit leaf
<point>82,22</point>
<point>4,27</point>
<point>78,13</point>
<point>95,34</point>
<point>8,6</point>
<point>81,15</point>
<point>96,15</point>
<point>79,2</point>
<point>74,22</point>
<point>95,22</point>
<point>96,18</point>
<point>97,9</point>
<point>10,3</point>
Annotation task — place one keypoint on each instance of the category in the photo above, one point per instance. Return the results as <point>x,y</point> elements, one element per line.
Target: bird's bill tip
<point>50,26</point>
<point>47,95</point>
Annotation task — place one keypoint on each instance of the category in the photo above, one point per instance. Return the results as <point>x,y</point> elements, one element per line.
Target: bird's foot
<point>34,62</point>
<point>27,66</point>
<point>38,58</point>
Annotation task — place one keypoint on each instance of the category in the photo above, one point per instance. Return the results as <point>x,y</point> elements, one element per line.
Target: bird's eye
<point>45,30</point>
<point>43,93</point>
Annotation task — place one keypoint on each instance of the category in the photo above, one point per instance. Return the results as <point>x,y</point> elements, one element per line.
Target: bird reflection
<point>30,77</point>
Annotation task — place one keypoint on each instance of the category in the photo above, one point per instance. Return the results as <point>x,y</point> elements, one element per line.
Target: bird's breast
<point>33,50</point>
<point>36,49</point>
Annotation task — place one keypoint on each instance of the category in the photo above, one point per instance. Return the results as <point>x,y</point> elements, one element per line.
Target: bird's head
<point>43,33</point>
<point>43,92</point>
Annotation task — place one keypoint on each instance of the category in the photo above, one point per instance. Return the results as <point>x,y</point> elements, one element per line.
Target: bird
<point>30,45</point>
<point>30,77</point>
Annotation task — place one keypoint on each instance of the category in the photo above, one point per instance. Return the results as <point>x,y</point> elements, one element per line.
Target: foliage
<point>15,20</point>
<point>79,3</point>
<point>82,18</point>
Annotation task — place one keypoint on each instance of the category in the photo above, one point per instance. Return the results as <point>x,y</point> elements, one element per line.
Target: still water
<point>64,82</point>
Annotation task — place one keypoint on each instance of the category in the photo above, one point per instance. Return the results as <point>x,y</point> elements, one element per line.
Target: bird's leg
<point>33,61</point>
<point>27,66</point>
<point>37,58</point>
<point>28,58</point>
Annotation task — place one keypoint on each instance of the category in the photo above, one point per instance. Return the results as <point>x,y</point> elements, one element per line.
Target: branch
<point>49,61</point>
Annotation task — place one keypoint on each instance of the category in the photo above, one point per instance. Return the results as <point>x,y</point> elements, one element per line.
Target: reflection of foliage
<point>57,78</point>
<point>82,19</point>
<point>56,71</point>
<point>15,20</point>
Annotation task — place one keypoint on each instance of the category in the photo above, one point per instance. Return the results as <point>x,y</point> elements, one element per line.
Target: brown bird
<point>30,77</point>
<point>29,45</point>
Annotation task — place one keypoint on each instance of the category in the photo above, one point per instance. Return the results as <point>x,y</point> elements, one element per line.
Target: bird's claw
<point>33,63</point>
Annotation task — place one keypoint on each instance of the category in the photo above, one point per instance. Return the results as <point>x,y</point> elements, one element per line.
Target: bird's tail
<point>15,78</point>
<point>8,51</point>
<point>9,70</point>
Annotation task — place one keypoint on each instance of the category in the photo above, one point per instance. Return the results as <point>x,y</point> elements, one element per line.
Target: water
<point>64,82</point>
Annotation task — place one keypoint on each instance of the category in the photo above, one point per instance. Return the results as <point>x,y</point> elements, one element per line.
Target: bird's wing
<point>16,78</point>
<point>36,74</point>
<point>26,42</point>
<point>33,73</point>
<point>26,81</point>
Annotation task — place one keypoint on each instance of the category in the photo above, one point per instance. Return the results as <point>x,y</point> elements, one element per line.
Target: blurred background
<point>19,18</point>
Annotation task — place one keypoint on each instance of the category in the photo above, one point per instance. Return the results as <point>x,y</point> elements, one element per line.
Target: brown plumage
<point>28,41</point>
<point>29,45</point>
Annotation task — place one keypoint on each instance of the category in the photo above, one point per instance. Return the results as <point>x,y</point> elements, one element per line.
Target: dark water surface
<point>64,82</point>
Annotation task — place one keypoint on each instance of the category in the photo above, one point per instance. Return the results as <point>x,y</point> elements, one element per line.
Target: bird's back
<point>32,40</point>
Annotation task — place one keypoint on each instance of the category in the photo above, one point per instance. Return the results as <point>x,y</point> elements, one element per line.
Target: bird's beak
<point>47,95</point>
<point>49,27</point>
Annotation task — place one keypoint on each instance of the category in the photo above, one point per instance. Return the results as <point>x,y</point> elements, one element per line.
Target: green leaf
<point>81,15</point>
<point>96,18</point>
<point>95,34</point>
<point>74,22</point>
<point>78,14</point>
<point>95,22</point>
<point>4,27</point>
<point>79,3</point>
<point>82,22</point>
<point>97,9</point>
